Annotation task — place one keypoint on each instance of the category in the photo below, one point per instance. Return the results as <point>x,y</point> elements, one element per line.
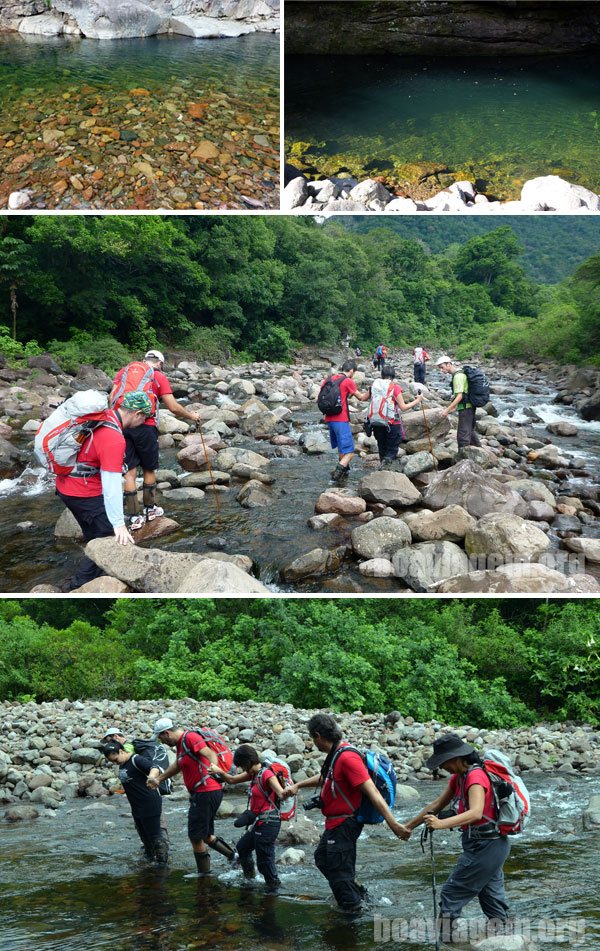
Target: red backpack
<point>61,437</point>
<point>215,743</point>
<point>287,807</point>
<point>135,377</point>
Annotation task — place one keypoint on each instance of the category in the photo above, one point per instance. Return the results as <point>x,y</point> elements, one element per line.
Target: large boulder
<point>519,579</point>
<point>588,547</point>
<point>86,756</point>
<point>380,538</point>
<point>390,488</point>
<point>227,459</point>
<point>21,812</point>
<point>314,564</point>
<point>262,425</point>
<point>590,408</point>
<point>289,743</point>
<point>113,19</point>
<point>449,524</point>
<point>45,24</point>
<point>591,815</point>
<point>505,538</point>
<point>196,457</point>
<point>468,485</point>
<point>301,831</point>
<point>12,460</point>
<point>552,193</point>
<point>67,526</point>
<point>213,576</point>
<point>340,501</point>
<point>241,389</point>
<point>416,426</point>
<point>424,565</point>
<point>142,569</point>
<point>254,495</point>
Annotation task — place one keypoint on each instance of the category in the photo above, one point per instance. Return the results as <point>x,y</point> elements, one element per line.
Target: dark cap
<point>447,747</point>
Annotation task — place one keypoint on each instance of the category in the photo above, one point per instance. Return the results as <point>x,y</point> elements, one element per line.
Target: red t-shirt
<point>396,394</point>
<point>262,801</point>
<point>347,388</point>
<point>105,448</point>
<point>160,386</point>
<point>194,768</point>
<point>475,777</point>
<point>349,773</point>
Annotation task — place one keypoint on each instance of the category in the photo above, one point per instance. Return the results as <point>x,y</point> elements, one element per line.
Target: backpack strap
<point>83,470</point>
<point>465,801</point>
<point>198,759</point>
<point>275,806</point>
<point>334,788</point>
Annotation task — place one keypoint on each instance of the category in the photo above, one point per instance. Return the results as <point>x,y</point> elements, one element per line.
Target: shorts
<point>340,437</point>
<point>201,815</point>
<point>141,447</point>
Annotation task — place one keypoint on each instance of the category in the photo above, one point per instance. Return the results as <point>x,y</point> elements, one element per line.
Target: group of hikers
<point>354,788</point>
<point>470,389</point>
<point>95,443</point>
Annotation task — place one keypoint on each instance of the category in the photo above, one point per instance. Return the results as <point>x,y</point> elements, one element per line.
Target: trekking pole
<point>210,472</point>
<point>428,834</point>
<point>427,430</point>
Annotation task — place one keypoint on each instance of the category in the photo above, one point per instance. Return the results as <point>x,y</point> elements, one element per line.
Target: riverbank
<point>50,752</point>
<point>104,20</point>
<point>335,195</point>
<point>519,514</point>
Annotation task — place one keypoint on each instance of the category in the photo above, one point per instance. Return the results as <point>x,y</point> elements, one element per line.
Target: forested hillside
<point>553,247</point>
<point>92,288</point>
<point>497,663</point>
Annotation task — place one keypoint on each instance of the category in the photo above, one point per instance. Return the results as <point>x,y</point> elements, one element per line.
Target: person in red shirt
<point>262,816</point>
<point>335,855</point>
<point>193,760</point>
<point>340,431</point>
<point>96,499</point>
<point>142,441</point>
<point>389,432</point>
<point>479,871</point>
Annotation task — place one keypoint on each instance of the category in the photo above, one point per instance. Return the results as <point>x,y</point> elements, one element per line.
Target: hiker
<point>384,416</point>
<point>262,819</point>
<point>149,749</point>
<point>464,391</point>
<point>478,873</point>
<point>333,403</point>
<point>142,441</point>
<point>344,780</point>
<point>145,803</point>
<point>357,352</point>
<point>420,360</point>
<point>196,751</point>
<point>380,356</point>
<point>91,487</point>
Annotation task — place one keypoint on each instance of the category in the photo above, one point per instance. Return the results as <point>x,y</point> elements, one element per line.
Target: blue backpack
<point>383,774</point>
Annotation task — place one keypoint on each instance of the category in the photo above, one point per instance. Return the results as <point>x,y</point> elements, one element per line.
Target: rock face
<point>425,565</point>
<point>391,488</point>
<point>434,28</point>
<point>381,538</point>
<point>468,485</point>
<point>507,537</point>
<point>109,20</point>
<point>519,579</point>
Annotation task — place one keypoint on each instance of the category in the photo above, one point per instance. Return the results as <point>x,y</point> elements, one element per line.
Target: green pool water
<point>499,121</point>
<point>118,121</point>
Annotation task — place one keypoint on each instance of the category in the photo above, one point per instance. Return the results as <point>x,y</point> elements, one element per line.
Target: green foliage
<point>14,348</point>
<point>104,352</point>
<point>488,663</point>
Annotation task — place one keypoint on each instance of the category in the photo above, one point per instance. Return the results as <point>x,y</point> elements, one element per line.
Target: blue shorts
<point>340,436</point>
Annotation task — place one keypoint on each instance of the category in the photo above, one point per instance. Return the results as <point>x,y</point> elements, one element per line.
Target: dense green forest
<point>553,246</point>
<point>92,288</point>
<point>492,663</point>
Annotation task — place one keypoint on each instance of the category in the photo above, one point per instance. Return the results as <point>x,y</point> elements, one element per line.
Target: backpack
<point>159,758</point>
<point>329,399</point>
<point>511,797</point>
<point>61,437</point>
<point>135,377</point>
<point>287,807</point>
<point>478,393</point>
<point>379,351</point>
<point>382,409</point>
<point>383,774</point>
<point>215,743</point>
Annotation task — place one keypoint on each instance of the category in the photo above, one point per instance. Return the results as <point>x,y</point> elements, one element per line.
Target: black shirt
<point>133,774</point>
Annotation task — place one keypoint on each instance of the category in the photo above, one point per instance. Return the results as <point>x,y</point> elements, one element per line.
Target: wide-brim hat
<point>447,747</point>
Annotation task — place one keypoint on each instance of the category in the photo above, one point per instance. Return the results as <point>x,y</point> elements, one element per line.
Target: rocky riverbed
<point>519,514</point>
<point>420,193</point>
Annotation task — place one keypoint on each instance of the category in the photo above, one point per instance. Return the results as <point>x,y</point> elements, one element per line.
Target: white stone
<point>209,28</point>
<point>19,200</point>
<point>46,24</point>
<point>552,193</point>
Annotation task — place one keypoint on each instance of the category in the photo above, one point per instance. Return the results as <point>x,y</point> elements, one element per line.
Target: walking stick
<point>428,431</point>
<point>425,834</point>
<point>210,472</point>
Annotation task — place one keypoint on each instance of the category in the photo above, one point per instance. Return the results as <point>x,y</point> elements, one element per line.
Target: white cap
<point>155,355</point>
<point>443,359</point>
<point>165,723</point>
<point>114,731</point>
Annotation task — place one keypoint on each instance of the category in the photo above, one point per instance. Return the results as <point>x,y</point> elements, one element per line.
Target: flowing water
<point>272,536</point>
<point>88,124</point>
<point>497,121</point>
<point>75,881</point>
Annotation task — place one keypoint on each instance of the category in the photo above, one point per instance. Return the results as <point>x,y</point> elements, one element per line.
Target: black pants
<point>466,435</point>
<point>419,372</point>
<point>153,836</point>
<point>261,839</point>
<point>93,521</point>
<point>380,363</point>
<point>388,441</point>
<point>335,857</point>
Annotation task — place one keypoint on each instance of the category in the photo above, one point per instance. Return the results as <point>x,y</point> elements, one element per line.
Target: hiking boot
<point>248,868</point>
<point>202,862</point>
<point>273,886</point>
<point>136,522</point>
<point>223,848</point>
<point>340,473</point>
<point>153,511</point>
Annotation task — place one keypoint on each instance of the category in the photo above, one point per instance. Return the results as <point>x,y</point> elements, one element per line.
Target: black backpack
<point>159,758</point>
<point>479,388</point>
<point>329,399</point>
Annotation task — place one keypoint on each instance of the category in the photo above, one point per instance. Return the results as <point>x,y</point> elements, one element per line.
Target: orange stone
<point>140,92</point>
<point>196,110</point>
<point>98,175</point>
